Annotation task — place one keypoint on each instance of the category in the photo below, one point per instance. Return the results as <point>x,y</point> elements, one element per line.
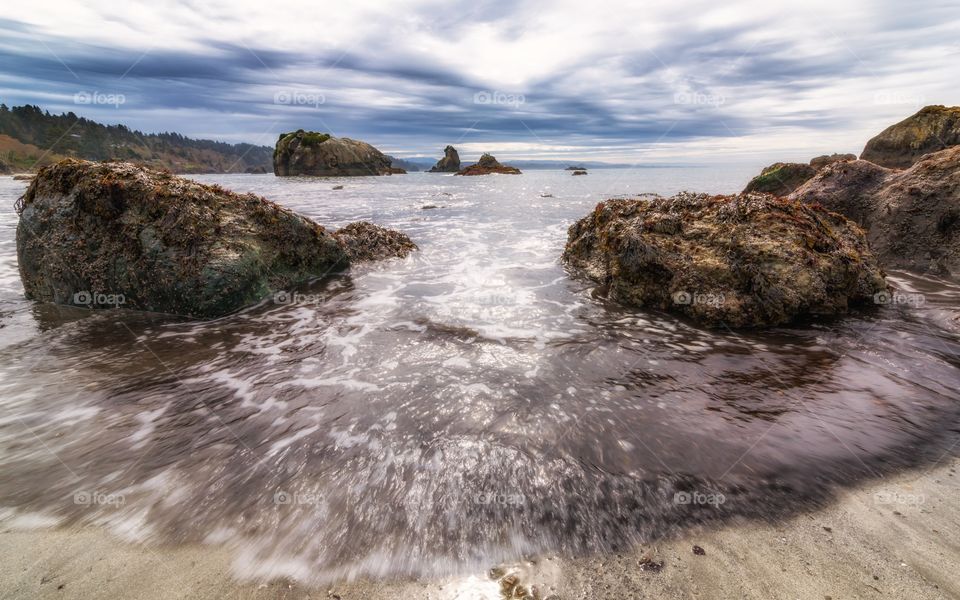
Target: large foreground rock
<point>899,146</point>
<point>91,231</point>
<point>739,261</point>
<point>912,216</point>
<point>450,163</point>
<point>320,154</point>
<point>783,178</point>
<point>488,165</point>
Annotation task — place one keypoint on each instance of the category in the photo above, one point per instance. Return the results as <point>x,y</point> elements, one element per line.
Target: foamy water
<point>469,404</point>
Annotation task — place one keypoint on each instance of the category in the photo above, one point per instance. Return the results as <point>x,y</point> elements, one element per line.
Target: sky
<point>676,82</point>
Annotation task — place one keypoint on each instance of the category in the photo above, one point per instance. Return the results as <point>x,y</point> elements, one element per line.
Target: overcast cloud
<point>677,82</point>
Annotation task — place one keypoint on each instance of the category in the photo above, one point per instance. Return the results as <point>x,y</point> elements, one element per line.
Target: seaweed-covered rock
<point>899,146</point>
<point>912,216</point>
<point>320,154</point>
<point>740,261</point>
<point>365,241</point>
<point>450,163</point>
<point>488,165</point>
<point>161,242</point>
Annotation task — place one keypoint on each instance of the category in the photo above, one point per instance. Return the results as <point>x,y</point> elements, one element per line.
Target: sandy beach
<point>897,537</point>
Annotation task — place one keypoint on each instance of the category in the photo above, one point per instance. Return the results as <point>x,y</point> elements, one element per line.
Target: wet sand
<point>896,537</point>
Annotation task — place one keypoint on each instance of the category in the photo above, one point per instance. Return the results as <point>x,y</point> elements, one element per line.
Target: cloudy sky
<point>681,81</point>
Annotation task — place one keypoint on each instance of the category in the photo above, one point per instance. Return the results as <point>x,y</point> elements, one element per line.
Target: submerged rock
<point>912,216</point>
<point>488,165</point>
<point>168,244</point>
<point>740,261</point>
<point>366,241</point>
<point>899,146</point>
<point>450,163</point>
<point>320,154</point>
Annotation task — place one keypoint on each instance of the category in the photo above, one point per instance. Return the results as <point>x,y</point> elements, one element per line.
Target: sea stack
<point>320,154</point>
<point>450,163</point>
<point>488,165</point>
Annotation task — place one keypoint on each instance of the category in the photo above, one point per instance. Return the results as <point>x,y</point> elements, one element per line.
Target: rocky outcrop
<point>579,173</point>
<point>320,154</point>
<point>740,261</point>
<point>168,244</point>
<point>783,178</point>
<point>899,146</point>
<point>780,178</point>
<point>573,168</point>
<point>450,163</point>
<point>828,159</point>
<point>488,165</point>
<point>912,216</point>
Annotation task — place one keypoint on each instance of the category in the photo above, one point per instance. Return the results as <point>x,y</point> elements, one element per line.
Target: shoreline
<point>897,536</point>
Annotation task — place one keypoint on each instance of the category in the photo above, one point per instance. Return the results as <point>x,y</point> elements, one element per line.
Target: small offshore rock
<point>488,165</point>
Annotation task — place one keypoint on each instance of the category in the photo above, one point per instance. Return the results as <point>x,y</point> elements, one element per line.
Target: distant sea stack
<point>450,163</point>
<point>320,154</point>
<point>783,178</point>
<point>487,165</point>
<point>899,146</point>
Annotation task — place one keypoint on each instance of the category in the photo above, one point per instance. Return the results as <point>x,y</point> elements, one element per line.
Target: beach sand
<point>897,537</point>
